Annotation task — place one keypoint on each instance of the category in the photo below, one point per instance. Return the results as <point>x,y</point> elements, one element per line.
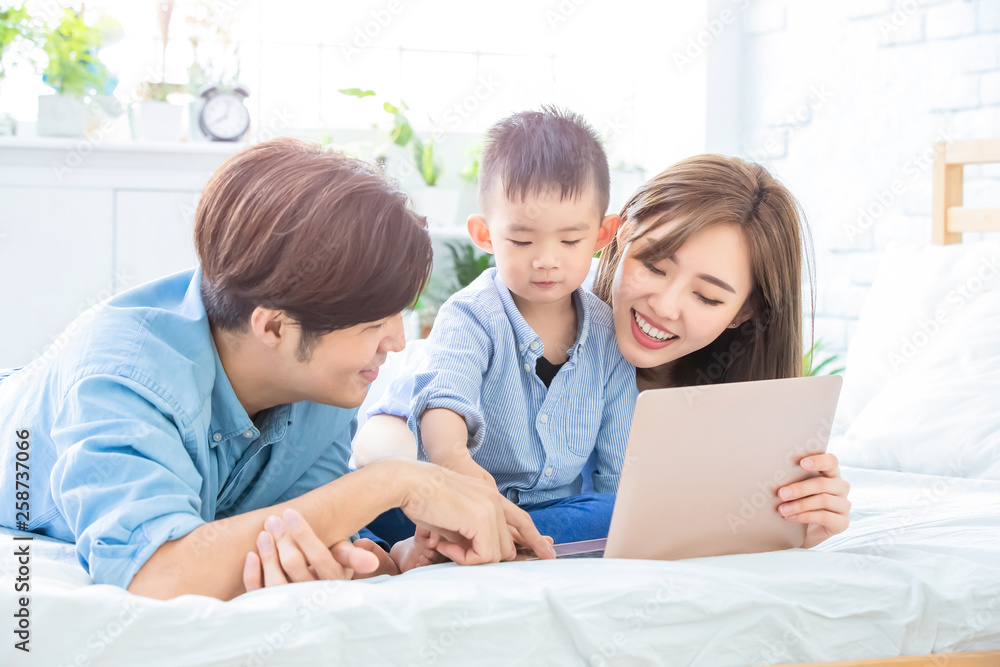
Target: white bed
<point>916,573</point>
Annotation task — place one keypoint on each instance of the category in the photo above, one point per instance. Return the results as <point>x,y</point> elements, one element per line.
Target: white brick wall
<point>898,75</point>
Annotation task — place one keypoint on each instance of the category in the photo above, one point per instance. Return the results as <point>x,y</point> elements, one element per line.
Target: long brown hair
<point>707,190</point>
<point>320,235</point>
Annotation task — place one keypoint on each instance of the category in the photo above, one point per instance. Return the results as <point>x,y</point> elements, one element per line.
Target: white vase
<point>61,116</point>
<point>159,121</point>
<point>439,204</point>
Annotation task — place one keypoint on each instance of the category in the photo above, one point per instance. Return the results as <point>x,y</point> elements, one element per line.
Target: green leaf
<point>356,92</point>
<point>810,368</point>
<point>401,134</point>
<point>390,108</point>
<point>72,46</point>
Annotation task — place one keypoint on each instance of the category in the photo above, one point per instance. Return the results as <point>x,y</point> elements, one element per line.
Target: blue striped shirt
<point>480,363</point>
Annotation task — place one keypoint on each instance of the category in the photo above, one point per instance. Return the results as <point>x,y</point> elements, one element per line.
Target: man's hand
<point>470,468</point>
<point>290,551</point>
<point>821,502</point>
<point>472,522</point>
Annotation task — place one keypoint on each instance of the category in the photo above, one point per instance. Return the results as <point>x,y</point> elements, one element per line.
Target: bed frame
<point>949,220</point>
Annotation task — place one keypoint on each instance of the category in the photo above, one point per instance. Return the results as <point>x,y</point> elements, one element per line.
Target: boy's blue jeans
<point>582,517</point>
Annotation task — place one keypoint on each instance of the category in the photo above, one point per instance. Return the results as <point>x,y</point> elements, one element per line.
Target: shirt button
<point>521,347</point>
<point>543,417</point>
<point>527,367</point>
<point>548,472</point>
<point>217,437</point>
<point>534,344</point>
<point>248,433</point>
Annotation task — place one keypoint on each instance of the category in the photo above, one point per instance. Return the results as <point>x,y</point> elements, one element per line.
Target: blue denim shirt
<point>137,438</point>
<point>480,363</point>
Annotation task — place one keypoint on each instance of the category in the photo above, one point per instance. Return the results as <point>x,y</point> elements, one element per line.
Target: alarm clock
<point>223,115</point>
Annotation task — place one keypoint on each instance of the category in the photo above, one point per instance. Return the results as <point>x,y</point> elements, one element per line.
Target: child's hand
<point>288,550</point>
<point>470,468</point>
<point>417,551</point>
<point>821,502</point>
<point>386,564</point>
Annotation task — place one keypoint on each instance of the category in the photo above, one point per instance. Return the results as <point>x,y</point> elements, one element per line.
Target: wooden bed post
<point>949,217</point>
<point>947,193</point>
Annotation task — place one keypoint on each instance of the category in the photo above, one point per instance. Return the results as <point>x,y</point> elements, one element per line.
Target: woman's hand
<point>821,502</point>
<point>290,551</point>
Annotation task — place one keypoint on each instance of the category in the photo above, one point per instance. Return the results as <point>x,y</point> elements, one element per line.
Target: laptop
<point>703,465</point>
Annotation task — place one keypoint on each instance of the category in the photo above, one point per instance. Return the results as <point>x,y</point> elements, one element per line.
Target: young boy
<point>523,379</point>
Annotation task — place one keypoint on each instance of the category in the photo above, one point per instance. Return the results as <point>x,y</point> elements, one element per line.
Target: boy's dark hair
<point>319,235</point>
<point>533,151</point>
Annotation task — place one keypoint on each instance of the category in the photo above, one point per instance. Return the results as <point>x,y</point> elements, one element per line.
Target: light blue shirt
<point>136,436</point>
<point>480,363</point>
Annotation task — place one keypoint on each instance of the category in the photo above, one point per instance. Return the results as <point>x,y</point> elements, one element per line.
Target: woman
<point>709,250</point>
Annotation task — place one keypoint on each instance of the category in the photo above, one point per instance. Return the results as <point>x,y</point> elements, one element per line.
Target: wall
<point>843,101</point>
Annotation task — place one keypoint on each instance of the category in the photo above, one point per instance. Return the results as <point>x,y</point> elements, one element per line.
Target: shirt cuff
<point>116,564</point>
<point>606,482</point>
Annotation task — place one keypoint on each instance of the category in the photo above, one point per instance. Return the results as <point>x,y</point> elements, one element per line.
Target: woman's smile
<point>649,336</point>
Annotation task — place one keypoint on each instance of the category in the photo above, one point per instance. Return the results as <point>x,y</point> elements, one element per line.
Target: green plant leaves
<point>356,92</point>
<point>15,23</point>
<point>808,359</point>
<point>74,67</point>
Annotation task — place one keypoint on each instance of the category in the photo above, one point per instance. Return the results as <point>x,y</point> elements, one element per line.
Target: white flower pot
<point>439,204</point>
<point>159,121</point>
<point>61,116</point>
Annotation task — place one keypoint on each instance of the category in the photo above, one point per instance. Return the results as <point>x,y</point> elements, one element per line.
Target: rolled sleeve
<point>451,375</point>
<point>620,395</point>
<point>124,482</point>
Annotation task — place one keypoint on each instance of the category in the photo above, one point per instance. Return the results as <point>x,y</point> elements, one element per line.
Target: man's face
<point>344,363</point>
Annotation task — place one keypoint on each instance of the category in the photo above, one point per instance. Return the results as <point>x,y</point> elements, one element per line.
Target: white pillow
<point>922,386</point>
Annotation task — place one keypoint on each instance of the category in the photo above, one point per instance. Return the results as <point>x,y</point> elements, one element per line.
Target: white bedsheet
<point>917,572</point>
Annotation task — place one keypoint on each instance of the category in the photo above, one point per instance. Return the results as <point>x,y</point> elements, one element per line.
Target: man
<point>183,414</point>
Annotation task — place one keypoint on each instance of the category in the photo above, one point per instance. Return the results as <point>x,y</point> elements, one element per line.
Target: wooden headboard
<point>950,218</point>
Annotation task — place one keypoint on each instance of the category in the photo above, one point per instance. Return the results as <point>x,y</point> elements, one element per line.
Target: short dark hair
<point>317,234</point>
<point>533,151</point>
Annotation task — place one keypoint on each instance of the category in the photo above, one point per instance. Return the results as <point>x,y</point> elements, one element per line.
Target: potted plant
<point>15,24</point>
<point>75,72</point>
<point>467,263</point>
<point>158,119</point>
<point>439,204</point>
<point>209,22</point>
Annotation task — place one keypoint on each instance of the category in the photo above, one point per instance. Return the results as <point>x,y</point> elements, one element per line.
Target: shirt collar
<point>229,418</point>
<point>526,336</point>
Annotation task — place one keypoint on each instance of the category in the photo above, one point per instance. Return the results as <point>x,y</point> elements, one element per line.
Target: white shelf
<point>68,144</point>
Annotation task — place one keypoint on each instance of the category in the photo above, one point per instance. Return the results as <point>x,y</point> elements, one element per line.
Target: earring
<point>733,325</point>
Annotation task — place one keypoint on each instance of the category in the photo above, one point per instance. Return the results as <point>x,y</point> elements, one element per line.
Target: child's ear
<point>609,227</point>
<point>479,233</point>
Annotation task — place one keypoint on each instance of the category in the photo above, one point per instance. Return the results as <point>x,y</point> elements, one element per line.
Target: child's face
<point>543,245</point>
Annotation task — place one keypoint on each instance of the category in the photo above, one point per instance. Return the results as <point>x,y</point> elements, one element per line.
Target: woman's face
<point>671,307</point>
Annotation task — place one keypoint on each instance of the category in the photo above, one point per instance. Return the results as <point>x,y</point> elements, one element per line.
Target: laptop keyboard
<point>599,553</point>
